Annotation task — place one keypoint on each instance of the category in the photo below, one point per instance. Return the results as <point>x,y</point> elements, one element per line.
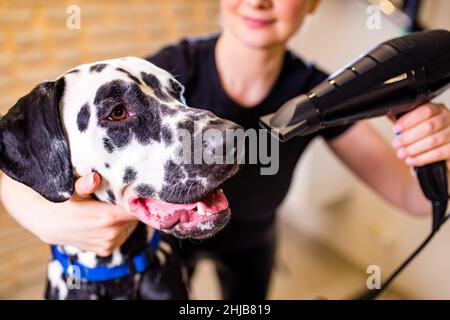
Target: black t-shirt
<point>253,197</point>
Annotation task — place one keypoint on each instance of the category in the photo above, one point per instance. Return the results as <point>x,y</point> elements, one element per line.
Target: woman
<point>242,74</point>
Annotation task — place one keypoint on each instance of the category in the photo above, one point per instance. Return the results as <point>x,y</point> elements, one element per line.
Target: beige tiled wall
<point>36,45</point>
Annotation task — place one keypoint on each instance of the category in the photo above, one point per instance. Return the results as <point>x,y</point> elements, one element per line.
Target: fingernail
<point>410,161</point>
<point>401,153</point>
<point>396,143</point>
<point>397,128</point>
<point>91,179</point>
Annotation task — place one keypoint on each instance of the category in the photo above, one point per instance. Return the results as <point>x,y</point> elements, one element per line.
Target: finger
<point>416,116</point>
<point>127,231</point>
<point>437,154</point>
<point>89,214</point>
<point>392,117</point>
<point>421,131</point>
<point>120,216</point>
<point>86,185</point>
<point>115,233</point>
<point>101,252</point>
<point>111,244</point>
<point>94,215</point>
<point>121,240</point>
<point>132,226</point>
<point>426,144</point>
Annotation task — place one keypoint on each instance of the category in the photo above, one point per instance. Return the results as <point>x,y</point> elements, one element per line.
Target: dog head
<point>127,120</point>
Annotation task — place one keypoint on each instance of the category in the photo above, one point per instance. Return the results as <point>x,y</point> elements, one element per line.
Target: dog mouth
<point>198,219</point>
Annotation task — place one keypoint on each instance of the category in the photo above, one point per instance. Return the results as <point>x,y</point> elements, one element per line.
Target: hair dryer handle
<point>433,181</point>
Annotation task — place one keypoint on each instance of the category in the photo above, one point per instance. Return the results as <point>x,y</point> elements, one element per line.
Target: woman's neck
<point>247,74</point>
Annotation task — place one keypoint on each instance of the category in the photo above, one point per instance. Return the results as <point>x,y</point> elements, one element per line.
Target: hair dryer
<point>393,78</point>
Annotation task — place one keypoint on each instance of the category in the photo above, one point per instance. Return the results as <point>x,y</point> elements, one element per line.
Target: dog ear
<point>33,149</point>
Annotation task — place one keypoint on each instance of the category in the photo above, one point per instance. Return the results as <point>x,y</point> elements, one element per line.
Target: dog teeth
<point>200,210</point>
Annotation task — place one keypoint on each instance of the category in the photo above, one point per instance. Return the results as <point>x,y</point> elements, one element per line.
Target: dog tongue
<point>164,215</point>
<point>212,203</point>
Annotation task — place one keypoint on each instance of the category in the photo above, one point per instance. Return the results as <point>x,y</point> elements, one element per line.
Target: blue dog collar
<point>103,273</point>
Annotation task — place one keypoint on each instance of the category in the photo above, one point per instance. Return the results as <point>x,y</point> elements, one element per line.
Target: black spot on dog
<point>129,175</point>
<point>174,191</point>
<point>119,136</point>
<point>83,117</point>
<point>166,135</point>
<point>187,125</point>
<point>113,91</point>
<point>152,130</point>
<point>132,77</point>
<point>104,261</point>
<point>148,126</point>
<point>216,122</point>
<point>197,117</point>
<point>197,114</point>
<point>107,165</point>
<point>134,242</point>
<point>52,292</point>
<point>107,143</point>
<point>184,182</point>
<point>174,89</point>
<point>153,82</point>
<point>73,71</point>
<point>97,67</point>
<point>173,172</point>
<point>111,196</point>
<point>144,125</point>
<point>165,110</point>
<point>144,190</point>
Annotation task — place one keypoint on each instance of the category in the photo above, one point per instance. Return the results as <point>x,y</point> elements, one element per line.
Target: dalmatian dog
<point>122,119</point>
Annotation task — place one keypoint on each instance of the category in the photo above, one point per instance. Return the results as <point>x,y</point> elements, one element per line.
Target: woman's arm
<point>81,222</point>
<point>370,157</point>
<point>424,137</point>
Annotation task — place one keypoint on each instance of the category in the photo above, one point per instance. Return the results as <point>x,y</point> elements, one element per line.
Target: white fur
<point>55,277</point>
<point>86,148</point>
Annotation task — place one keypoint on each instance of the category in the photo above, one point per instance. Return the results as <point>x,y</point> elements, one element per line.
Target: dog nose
<point>223,144</point>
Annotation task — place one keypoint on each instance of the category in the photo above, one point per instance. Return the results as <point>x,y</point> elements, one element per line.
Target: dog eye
<point>119,113</point>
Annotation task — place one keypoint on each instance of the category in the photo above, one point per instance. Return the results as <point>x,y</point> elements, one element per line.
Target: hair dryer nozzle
<point>297,116</point>
<point>393,78</point>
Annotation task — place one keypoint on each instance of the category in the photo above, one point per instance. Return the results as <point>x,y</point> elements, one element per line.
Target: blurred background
<point>332,227</point>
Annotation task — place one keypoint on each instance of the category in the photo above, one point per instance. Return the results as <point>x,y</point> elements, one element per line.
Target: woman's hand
<point>81,221</point>
<point>105,230</point>
<point>423,135</point>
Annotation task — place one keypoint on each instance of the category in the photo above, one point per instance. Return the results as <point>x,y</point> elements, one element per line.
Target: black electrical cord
<point>373,294</point>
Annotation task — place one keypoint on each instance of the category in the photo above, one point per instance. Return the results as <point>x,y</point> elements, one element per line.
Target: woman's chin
<point>259,39</point>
